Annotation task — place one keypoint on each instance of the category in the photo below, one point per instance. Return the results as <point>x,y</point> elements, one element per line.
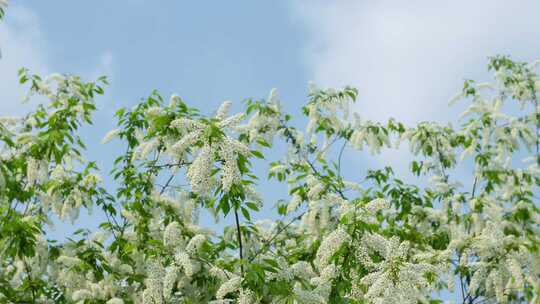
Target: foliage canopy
<point>372,239</point>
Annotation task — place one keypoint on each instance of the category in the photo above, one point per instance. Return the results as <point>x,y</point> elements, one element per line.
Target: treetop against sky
<point>298,223</point>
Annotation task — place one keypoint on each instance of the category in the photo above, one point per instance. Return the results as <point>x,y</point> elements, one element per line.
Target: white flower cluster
<point>395,279</point>
<point>246,297</point>
<point>153,294</point>
<point>183,260</point>
<point>265,121</point>
<point>372,135</point>
<point>115,301</point>
<point>376,205</point>
<point>199,172</point>
<point>330,245</point>
<point>172,236</point>
<point>110,135</point>
<point>308,296</point>
<point>225,149</point>
<point>232,285</point>
<point>37,171</point>
<point>327,103</point>
<point>195,244</point>
<point>499,269</point>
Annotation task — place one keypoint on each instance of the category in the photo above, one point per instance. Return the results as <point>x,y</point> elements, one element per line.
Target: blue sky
<point>206,52</point>
<point>407,58</point>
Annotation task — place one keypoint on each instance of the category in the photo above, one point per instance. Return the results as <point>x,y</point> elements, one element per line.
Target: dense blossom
<point>371,238</point>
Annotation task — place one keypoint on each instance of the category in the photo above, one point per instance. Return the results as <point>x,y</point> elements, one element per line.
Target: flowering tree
<point>370,239</point>
<point>373,239</point>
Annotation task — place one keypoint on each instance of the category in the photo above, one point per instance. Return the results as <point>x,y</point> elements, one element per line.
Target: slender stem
<point>211,266</point>
<point>270,240</point>
<point>113,226</point>
<point>166,184</point>
<point>182,163</point>
<point>536,122</point>
<point>290,137</point>
<point>465,293</point>
<point>28,272</point>
<point>329,145</point>
<point>312,166</point>
<point>26,208</point>
<point>472,196</point>
<point>472,299</point>
<point>443,171</point>
<point>339,157</point>
<point>461,285</point>
<point>474,186</point>
<point>239,236</point>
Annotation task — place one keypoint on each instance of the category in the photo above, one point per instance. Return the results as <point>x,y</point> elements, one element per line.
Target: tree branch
<point>269,241</point>
<point>166,184</point>
<point>239,236</point>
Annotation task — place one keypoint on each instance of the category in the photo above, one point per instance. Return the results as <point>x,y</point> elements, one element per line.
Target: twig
<point>537,127</point>
<point>339,157</point>
<point>166,184</point>
<point>239,236</point>
<point>28,272</point>
<point>270,240</point>
<point>474,186</point>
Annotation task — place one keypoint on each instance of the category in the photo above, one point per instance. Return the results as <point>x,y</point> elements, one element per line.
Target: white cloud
<point>23,45</point>
<point>409,57</point>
